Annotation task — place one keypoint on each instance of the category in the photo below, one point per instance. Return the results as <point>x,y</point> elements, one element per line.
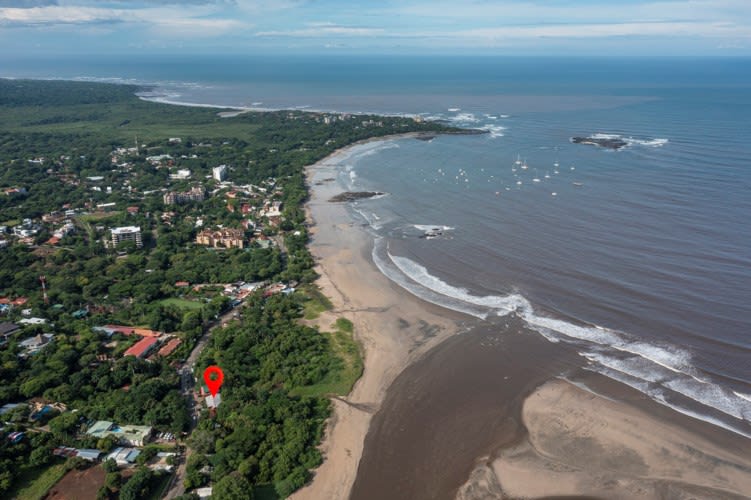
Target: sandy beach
<point>486,414</point>
<point>393,327</point>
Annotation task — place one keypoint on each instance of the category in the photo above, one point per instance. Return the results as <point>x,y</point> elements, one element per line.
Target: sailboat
<point>518,160</point>
<point>524,165</point>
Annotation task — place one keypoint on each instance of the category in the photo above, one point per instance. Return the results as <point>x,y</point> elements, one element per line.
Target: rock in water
<point>603,142</point>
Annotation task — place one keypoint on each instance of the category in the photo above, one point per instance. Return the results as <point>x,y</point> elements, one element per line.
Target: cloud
<point>26,4</point>
<point>324,29</point>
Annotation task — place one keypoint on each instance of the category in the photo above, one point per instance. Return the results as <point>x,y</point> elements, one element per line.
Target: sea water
<point>640,258</point>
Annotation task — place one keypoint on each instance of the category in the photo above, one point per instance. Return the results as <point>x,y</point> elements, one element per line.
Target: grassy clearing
<point>349,366</point>
<point>35,482</point>
<point>182,303</point>
<point>316,304</point>
<point>98,217</point>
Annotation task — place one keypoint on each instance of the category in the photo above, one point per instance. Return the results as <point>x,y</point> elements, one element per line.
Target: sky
<point>258,27</point>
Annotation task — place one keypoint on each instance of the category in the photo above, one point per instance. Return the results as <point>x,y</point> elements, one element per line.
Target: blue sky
<point>513,27</point>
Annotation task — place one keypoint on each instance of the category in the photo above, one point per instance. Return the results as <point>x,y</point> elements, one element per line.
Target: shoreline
<point>379,310</point>
<point>393,327</point>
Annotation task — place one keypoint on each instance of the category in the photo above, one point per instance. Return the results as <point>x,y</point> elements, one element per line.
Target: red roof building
<point>53,241</point>
<point>182,284</point>
<point>170,347</point>
<point>141,348</point>
<point>20,301</point>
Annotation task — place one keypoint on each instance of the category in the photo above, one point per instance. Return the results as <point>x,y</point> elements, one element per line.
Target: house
<point>126,330</point>
<point>85,453</point>
<point>81,313</point>
<point>15,437</point>
<point>170,347</point>
<point>141,348</point>
<point>182,284</point>
<point>35,344</point>
<point>20,301</point>
<point>124,456</point>
<point>33,321</point>
<point>131,435</point>
<point>10,407</point>
<point>8,329</point>
<point>204,492</point>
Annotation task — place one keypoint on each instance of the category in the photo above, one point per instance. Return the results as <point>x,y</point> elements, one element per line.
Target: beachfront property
<point>127,233</point>
<point>130,435</point>
<point>195,194</point>
<point>219,173</point>
<point>221,238</point>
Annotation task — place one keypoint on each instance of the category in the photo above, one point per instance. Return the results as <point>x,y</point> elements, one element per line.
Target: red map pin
<point>213,383</point>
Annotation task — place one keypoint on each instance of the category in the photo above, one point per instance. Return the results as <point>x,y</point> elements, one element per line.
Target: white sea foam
<point>426,227</point>
<point>495,130</point>
<point>656,394</point>
<point>465,118</point>
<point>498,304</point>
<point>630,141</point>
<point>655,370</point>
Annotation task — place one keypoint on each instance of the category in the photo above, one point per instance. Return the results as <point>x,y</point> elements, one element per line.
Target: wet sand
<point>393,327</point>
<point>484,414</point>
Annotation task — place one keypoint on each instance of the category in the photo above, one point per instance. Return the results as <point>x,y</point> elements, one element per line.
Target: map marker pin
<point>213,383</point>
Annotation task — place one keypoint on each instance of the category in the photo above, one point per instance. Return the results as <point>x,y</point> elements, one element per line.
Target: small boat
<point>577,184</point>
<point>524,165</point>
<point>518,160</point>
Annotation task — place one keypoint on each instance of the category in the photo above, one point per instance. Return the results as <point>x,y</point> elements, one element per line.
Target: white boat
<point>518,160</point>
<point>524,165</point>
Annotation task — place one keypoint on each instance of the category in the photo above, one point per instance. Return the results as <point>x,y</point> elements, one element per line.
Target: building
<point>127,233</point>
<point>130,435</point>
<point>175,198</point>
<point>222,238</point>
<point>124,456</point>
<point>170,347</point>
<point>141,348</point>
<point>181,175</point>
<point>8,329</point>
<point>85,453</point>
<point>219,173</point>
<point>35,344</point>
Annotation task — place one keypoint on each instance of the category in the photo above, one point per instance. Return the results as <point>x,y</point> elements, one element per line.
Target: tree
<point>232,487</point>
<point>137,486</point>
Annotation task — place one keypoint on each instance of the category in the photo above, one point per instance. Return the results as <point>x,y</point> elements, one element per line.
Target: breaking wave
<point>663,372</point>
<point>631,141</point>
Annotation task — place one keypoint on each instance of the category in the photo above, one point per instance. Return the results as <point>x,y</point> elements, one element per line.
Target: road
<point>191,400</point>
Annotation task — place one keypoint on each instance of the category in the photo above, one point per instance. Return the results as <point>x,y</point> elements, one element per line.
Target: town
<point>150,243</point>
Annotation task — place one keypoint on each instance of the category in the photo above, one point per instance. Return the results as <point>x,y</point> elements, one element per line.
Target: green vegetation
<point>96,156</point>
<point>316,303</point>
<point>34,483</point>
<point>182,303</point>
<point>348,365</point>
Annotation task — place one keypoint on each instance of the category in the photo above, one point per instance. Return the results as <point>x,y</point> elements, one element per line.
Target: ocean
<point>638,259</point>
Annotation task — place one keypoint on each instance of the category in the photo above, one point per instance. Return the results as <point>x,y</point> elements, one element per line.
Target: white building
<point>220,172</point>
<point>127,233</point>
<point>181,174</point>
